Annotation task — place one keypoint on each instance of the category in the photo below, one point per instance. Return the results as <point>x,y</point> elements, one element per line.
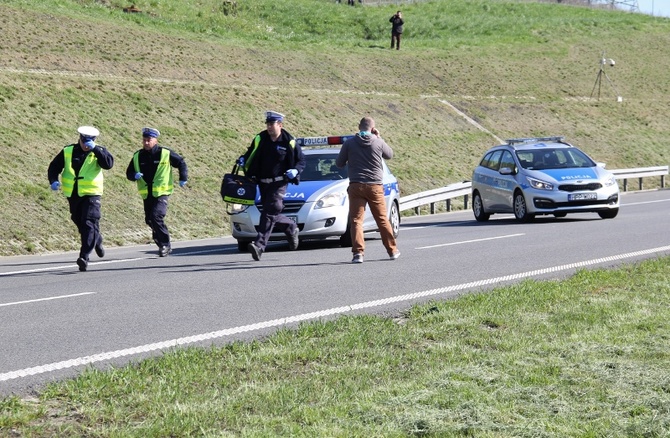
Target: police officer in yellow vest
<point>151,167</point>
<point>81,165</point>
<point>273,159</point>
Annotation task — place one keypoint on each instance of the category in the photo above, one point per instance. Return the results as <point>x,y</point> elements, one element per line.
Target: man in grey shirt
<point>365,153</point>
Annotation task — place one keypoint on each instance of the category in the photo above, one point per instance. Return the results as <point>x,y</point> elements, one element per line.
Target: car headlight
<point>331,200</point>
<point>236,208</point>
<point>610,181</point>
<point>539,184</point>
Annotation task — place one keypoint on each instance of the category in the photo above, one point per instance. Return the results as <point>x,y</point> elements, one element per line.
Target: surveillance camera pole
<point>599,78</point>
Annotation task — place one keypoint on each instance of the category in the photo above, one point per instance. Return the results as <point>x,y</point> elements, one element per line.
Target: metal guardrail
<point>464,188</point>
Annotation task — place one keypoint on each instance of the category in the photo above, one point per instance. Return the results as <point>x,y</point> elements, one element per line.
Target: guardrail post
<point>465,202</point>
<point>662,181</point>
<point>625,184</point>
<point>640,183</point>
<point>448,205</point>
<point>432,208</point>
<point>417,211</point>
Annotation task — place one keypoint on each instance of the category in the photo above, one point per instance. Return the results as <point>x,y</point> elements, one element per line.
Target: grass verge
<point>585,357</point>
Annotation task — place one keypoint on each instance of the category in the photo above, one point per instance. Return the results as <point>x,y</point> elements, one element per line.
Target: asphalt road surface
<point>55,320</point>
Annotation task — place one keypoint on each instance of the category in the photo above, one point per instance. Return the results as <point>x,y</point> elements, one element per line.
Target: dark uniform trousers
<point>155,210</point>
<point>272,199</point>
<point>85,213</point>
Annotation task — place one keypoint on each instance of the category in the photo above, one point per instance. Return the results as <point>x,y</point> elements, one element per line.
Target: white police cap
<point>88,131</point>
<point>273,116</point>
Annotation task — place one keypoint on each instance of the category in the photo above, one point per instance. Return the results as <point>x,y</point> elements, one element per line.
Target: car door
<point>506,181</point>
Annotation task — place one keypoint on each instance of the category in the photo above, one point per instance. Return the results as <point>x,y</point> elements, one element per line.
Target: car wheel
<point>478,208</point>
<point>521,209</point>
<point>345,239</point>
<point>242,245</point>
<point>609,214</point>
<point>394,219</point>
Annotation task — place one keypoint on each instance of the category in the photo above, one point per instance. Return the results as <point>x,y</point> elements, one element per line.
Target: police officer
<point>81,166</point>
<point>273,159</point>
<point>151,167</point>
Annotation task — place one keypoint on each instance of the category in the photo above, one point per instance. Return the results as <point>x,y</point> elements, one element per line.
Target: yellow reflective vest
<point>89,180</point>
<point>162,183</point>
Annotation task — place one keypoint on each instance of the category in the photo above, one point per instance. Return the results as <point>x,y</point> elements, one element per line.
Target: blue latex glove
<point>138,175</point>
<point>90,144</point>
<point>182,183</point>
<point>240,161</point>
<point>55,185</point>
<point>291,173</point>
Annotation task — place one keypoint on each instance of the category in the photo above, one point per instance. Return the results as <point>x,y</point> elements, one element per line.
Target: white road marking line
<point>472,241</point>
<point>60,268</point>
<point>645,202</point>
<point>45,299</point>
<point>87,360</point>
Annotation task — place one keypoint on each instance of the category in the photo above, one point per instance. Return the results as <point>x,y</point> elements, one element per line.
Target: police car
<point>542,176</point>
<point>319,204</point>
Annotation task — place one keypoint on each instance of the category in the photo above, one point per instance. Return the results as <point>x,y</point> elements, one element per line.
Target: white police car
<point>542,176</point>
<point>319,204</point>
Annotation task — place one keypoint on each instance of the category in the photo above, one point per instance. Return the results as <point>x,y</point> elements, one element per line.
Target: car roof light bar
<point>534,139</point>
<point>315,142</point>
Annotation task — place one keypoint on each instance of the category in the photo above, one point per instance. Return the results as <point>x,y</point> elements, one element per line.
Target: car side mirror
<point>601,165</point>
<point>507,171</point>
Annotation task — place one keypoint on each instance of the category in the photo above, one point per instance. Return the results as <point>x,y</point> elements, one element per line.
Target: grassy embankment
<point>204,77</point>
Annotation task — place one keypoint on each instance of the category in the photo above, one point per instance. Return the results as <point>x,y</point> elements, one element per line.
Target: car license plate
<point>582,196</point>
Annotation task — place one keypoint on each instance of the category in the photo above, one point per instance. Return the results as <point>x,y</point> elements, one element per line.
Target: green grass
<point>585,357</point>
<point>204,77</point>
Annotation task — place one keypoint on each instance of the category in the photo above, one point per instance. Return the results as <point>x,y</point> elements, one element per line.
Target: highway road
<point>55,320</point>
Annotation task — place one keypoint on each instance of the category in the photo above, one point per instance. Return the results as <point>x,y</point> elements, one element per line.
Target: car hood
<point>574,174</point>
<point>312,190</point>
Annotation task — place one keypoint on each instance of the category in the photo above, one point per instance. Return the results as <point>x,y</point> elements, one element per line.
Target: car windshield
<point>545,158</point>
<point>321,167</point>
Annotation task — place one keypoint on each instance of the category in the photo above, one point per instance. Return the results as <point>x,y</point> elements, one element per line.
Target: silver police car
<point>320,203</point>
<point>542,176</point>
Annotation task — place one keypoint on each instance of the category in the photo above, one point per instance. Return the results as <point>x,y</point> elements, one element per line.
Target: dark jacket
<point>272,159</point>
<point>397,24</point>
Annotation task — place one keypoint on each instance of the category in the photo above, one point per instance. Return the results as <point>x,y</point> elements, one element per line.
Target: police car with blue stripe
<point>319,204</point>
<point>542,176</point>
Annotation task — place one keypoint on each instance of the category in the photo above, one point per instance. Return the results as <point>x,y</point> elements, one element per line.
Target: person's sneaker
<point>82,263</point>
<point>255,251</point>
<point>100,250</point>
<point>293,240</point>
<point>164,250</point>
<point>395,255</point>
<point>358,258</point>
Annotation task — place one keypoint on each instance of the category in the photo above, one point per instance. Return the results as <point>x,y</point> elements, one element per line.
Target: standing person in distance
<point>365,153</point>
<point>396,29</point>
<point>81,165</point>
<point>151,167</point>
<point>274,159</point>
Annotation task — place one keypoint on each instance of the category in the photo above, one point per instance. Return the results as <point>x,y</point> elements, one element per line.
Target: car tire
<point>521,208</point>
<point>345,239</point>
<point>394,219</point>
<point>242,245</point>
<point>478,208</point>
<point>608,214</point>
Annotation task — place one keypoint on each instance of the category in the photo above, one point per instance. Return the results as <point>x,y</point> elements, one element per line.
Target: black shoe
<point>293,240</point>
<point>82,263</point>
<point>255,251</point>
<point>100,250</point>
<point>163,251</point>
